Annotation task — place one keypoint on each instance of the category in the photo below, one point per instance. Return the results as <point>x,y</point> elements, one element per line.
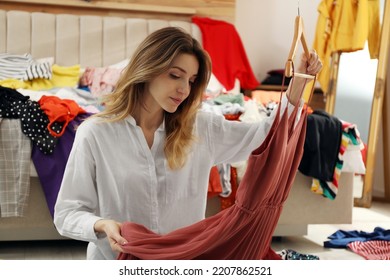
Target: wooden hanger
<point>299,36</point>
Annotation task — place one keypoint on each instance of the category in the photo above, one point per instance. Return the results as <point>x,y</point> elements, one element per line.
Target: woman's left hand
<point>311,66</point>
<point>112,230</point>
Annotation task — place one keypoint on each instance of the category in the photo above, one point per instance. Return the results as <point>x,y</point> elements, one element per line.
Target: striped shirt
<point>24,67</point>
<point>372,249</point>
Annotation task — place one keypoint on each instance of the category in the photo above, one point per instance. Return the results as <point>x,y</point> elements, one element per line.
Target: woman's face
<point>168,90</point>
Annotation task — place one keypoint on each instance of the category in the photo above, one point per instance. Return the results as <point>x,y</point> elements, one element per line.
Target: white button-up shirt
<point>112,174</point>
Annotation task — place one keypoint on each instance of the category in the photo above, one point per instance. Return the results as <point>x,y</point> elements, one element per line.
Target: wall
<point>267,28</point>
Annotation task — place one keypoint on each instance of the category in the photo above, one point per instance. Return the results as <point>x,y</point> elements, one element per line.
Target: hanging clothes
<point>223,43</point>
<point>350,139</point>
<point>244,230</point>
<point>322,146</point>
<point>345,26</point>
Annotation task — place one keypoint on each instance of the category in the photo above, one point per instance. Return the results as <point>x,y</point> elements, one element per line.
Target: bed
<point>87,41</point>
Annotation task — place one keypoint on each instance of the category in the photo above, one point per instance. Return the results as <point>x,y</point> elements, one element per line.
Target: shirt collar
<point>131,121</point>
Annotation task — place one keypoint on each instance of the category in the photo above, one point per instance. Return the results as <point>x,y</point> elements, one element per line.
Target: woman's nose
<point>184,88</point>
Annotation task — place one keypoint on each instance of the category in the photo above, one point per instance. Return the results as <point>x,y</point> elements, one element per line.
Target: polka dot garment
<point>33,119</point>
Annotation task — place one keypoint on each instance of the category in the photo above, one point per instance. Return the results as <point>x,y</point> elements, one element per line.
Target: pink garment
<point>100,80</point>
<point>244,230</point>
<point>372,249</point>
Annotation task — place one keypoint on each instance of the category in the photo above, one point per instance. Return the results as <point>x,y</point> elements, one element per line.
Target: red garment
<point>223,43</point>
<point>226,202</point>
<point>215,186</point>
<point>244,230</point>
<point>59,110</point>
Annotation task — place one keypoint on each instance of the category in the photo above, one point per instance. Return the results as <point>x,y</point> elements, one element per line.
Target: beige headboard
<point>71,39</point>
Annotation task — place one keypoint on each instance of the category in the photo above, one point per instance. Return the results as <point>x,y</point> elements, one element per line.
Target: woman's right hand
<point>112,229</point>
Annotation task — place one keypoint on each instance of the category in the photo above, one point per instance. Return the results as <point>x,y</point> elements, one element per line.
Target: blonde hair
<point>153,57</point>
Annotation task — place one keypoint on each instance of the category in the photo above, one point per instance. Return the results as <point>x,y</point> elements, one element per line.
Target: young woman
<point>147,157</point>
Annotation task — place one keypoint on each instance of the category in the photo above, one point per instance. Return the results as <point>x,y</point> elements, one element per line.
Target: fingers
<point>116,247</point>
<point>315,64</point>
<point>311,66</point>
<point>116,244</point>
<point>112,230</point>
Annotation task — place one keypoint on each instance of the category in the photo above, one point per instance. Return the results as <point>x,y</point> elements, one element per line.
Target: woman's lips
<point>176,100</point>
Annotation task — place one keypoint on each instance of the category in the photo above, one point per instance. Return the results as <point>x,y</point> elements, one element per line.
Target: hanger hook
<point>299,14</point>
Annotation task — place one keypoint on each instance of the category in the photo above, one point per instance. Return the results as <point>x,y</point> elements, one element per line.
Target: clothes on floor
<point>341,238</point>
<point>372,249</point>
<point>289,254</point>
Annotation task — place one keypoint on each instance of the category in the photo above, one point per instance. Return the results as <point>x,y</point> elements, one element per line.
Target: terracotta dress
<point>244,230</point>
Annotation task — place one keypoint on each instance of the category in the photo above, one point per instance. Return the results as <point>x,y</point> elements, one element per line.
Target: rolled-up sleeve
<point>233,141</point>
<point>75,209</point>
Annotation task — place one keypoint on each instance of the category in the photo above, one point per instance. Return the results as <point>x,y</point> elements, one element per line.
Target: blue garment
<point>341,238</point>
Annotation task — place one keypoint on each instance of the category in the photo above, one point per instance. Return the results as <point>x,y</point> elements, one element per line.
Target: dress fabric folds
<point>244,230</point>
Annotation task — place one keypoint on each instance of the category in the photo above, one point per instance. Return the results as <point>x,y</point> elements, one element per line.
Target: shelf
<point>105,5</point>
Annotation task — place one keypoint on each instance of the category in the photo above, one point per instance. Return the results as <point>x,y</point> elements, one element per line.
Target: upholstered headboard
<point>71,39</point>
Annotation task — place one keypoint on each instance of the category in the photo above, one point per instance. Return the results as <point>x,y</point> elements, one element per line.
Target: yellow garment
<point>62,76</point>
<point>322,43</point>
<point>374,31</point>
<point>13,83</point>
<point>345,26</point>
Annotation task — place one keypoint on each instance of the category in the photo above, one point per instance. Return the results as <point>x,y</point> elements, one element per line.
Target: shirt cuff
<point>89,230</point>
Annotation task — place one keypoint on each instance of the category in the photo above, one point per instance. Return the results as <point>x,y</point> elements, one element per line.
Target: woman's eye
<point>173,76</point>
